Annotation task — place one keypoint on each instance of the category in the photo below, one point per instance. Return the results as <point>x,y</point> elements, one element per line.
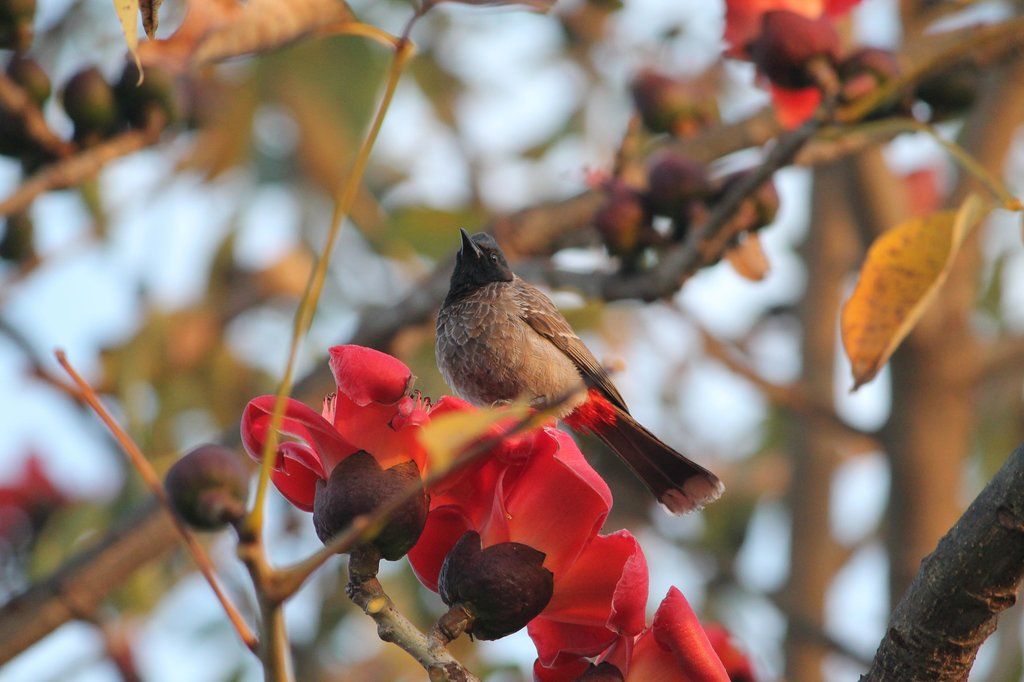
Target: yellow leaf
<point>128,13</point>
<point>448,435</point>
<point>901,275</point>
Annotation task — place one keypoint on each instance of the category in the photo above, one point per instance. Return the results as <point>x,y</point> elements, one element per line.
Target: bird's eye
<point>494,258</point>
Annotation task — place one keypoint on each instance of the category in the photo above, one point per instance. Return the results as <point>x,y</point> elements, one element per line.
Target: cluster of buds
<point>681,190</point>
<point>98,108</point>
<point>796,47</point>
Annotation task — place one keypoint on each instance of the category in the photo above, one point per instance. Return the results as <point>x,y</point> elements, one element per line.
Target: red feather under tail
<point>677,482</point>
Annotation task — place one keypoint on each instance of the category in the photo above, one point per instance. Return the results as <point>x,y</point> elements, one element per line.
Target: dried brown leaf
<point>264,25</point>
<point>150,18</point>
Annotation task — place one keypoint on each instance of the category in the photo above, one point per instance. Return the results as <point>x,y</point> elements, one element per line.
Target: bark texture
<point>953,604</point>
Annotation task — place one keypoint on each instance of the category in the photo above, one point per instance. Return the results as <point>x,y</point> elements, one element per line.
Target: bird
<point>500,339</point>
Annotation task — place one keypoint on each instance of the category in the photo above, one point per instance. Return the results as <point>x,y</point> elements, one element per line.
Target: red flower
<point>541,492</point>
<point>744,25</point>
<point>26,501</point>
<point>735,661</point>
<point>372,411</point>
<point>675,648</point>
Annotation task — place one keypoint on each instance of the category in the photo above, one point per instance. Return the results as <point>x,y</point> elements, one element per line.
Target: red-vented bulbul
<point>499,339</point>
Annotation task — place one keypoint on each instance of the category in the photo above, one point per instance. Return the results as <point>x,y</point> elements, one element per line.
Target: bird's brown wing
<point>540,313</point>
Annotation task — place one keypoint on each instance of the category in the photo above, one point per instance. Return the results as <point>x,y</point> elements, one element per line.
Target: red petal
<point>735,661</point>
<point>837,8</point>
<point>602,596</point>
<point>562,673</point>
<point>298,470</point>
<point>365,375</point>
<point>675,648</point>
<point>793,107</point>
<point>555,503</point>
<point>299,422</point>
<point>743,17</point>
<point>443,529</point>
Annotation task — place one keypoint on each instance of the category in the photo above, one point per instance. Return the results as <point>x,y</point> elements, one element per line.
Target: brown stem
<point>152,481</point>
<point>954,601</point>
<point>76,169</point>
<point>274,651</point>
<point>367,593</point>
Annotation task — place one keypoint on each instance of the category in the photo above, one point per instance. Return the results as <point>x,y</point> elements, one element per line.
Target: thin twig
<point>152,481</point>
<point>365,590</point>
<point>75,169</point>
<point>344,199</point>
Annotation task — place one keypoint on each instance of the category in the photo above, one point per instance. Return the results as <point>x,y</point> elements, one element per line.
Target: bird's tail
<point>677,482</point>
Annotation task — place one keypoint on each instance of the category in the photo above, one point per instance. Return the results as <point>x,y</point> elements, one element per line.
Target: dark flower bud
<point>667,105</point>
<point>358,486</point>
<point>17,245</point>
<point>789,43</point>
<point>953,91</point>
<point>601,672</point>
<point>208,486</point>
<point>29,75</point>
<point>16,24</point>
<point>89,101</point>
<point>675,186</point>
<point>502,587</point>
<point>865,71</point>
<point>158,93</point>
<point>624,223</point>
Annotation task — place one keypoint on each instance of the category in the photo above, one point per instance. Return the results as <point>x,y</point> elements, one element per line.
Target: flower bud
<point>358,486</point>
<point>601,672</point>
<point>675,185</point>
<point>16,24</point>
<point>953,91</point>
<point>17,245</point>
<point>667,105</point>
<point>158,92</point>
<point>29,75</point>
<point>208,486</point>
<point>624,224</point>
<point>89,101</point>
<point>502,587</point>
<point>789,43</point>
<point>865,71</point>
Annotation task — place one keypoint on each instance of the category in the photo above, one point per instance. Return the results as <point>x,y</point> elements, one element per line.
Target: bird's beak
<point>468,245</point>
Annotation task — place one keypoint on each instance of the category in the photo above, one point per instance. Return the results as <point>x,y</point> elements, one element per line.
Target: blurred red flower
<point>744,24</point>
<point>675,648</point>
<point>27,500</point>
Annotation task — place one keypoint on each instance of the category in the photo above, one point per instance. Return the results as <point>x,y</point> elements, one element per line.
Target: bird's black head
<point>479,262</point>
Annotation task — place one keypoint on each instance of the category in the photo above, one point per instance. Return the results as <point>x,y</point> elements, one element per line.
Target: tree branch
<point>953,604</point>
<point>367,593</point>
<point>15,101</point>
<point>73,170</point>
